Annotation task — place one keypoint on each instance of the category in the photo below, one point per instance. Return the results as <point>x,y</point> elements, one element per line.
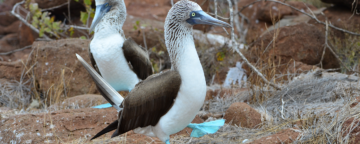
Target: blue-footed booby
<point>165,103</point>
<point>121,62</point>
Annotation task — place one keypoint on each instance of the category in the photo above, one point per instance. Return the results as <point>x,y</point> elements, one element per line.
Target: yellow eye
<point>193,14</point>
<point>107,5</point>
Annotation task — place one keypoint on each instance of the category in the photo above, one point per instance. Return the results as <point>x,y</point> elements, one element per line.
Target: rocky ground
<point>46,94</point>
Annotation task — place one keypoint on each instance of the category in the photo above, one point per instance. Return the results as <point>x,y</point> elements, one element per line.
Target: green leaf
<point>52,19</point>
<point>37,14</point>
<point>47,30</point>
<point>33,7</point>
<point>153,49</point>
<point>220,56</point>
<point>83,37</point>
<point>56,26</point>
<point>41,32</point>
<point>92,15</point>
<point>35,21</point>
<point>71,30</point>
<point>47,22</point>
<point>135,27</point>
<point>43,16</point>
<point>137,23</point>
<point>76,0</point>
<point>83,17</point>
<point>87,2</point>
<point>34,24</point>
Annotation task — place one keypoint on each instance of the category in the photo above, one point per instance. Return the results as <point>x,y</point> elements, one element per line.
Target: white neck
<point>187,61</point>
<point>184,58</point>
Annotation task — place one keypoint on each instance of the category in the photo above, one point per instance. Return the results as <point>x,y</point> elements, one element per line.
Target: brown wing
<point>148,101</point>
<point>138,58</point>
<point>93,62</point>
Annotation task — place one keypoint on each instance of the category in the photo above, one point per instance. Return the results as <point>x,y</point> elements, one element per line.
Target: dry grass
<point>15,94</point>
<point>316,106</point>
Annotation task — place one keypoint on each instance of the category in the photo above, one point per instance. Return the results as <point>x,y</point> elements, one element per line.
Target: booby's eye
<point>107,5</point>
<point>193,14</point>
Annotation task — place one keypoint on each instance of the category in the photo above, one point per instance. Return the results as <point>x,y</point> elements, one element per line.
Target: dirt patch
<point>82,101</point>
<point>55,127</point>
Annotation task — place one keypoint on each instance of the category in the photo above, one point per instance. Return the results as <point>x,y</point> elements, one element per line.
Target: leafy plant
<point>90,12</point>
<point>43,21</point>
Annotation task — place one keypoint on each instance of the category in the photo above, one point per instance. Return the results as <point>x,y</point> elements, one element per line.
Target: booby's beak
<point>100,11</point>
<point>200,17</point>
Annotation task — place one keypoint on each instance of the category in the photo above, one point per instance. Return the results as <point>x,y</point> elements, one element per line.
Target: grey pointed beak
<point>100,11</point>
<point>200,17</point>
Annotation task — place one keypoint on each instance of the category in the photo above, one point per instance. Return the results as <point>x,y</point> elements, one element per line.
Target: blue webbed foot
<point>167,142</point>
<point>102,106</point>
<point>202,129</point>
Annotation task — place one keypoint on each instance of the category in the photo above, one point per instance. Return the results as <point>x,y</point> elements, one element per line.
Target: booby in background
<point>167,102</point>
<point>121,62</point>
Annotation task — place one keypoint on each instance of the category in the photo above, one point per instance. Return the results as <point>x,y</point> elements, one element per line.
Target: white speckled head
<point>181,10</point>
<point>178,26</point>
<point>109,12</point>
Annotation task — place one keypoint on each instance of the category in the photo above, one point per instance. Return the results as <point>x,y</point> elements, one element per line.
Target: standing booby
<point>167,102</point>
<point>121,62</point>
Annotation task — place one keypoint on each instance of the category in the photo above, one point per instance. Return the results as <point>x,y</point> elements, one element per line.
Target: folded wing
<point>138,58</point>
<point>146,103</point>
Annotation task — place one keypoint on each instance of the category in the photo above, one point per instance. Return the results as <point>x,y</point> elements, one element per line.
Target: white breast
<point>108,54</point>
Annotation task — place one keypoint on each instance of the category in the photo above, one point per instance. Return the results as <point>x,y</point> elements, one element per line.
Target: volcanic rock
<point>273,12</point>
<point>303,43</point>
<point>13,28</point>
<point>241,114</point>
<point>7,18</point>
<point>9,42</point>
<point>56,66</point>
<point>11,70</point>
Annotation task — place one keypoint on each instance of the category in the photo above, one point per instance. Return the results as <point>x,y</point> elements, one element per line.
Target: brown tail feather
<point>109,128</point>
<point>116,133</point>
